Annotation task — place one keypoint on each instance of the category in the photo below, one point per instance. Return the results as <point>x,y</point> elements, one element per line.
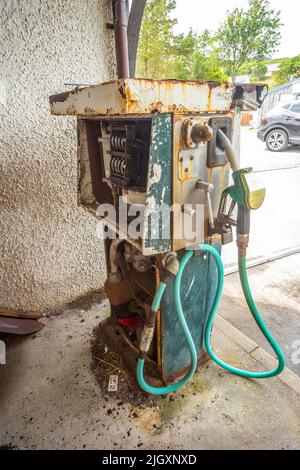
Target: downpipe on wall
<point>120,15</point>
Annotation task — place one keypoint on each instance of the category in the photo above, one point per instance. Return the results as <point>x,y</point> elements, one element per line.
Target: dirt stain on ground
<point>150,412</point>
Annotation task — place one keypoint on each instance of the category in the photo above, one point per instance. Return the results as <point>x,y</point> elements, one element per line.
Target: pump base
<point>112,333</point>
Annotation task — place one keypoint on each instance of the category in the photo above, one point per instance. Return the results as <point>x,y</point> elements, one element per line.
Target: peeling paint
<point>155,178</point>
<point>151,203</point>
<point>141,96</point>
<point>159,182</point>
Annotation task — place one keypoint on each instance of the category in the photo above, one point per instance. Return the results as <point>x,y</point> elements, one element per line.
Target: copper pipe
<point>120,28</point>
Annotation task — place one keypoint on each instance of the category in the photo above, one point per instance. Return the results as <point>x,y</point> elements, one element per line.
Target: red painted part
<point>130,322</point>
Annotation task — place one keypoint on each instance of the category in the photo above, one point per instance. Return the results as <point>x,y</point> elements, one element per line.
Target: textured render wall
<point>50,251</point>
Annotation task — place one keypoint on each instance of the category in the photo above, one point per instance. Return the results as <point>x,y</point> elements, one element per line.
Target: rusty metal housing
<point>133,140</point>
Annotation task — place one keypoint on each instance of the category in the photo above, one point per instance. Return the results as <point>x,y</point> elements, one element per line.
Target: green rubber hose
<point>256,315</point>
<point>180,315</point>
<point>216,302</point>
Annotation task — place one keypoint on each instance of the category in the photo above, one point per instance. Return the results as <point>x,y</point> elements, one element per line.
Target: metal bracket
<point>208,189</point>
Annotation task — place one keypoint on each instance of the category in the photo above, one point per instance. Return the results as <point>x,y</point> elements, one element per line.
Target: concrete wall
<point>50,251</point>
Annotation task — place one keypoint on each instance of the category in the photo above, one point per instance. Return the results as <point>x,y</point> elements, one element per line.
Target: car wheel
<point>277,140</point>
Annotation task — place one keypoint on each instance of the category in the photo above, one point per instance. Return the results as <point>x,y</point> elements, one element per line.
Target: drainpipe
<point>120,14</point>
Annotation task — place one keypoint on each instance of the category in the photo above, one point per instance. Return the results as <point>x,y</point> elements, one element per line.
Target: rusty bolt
<point>201,133</point>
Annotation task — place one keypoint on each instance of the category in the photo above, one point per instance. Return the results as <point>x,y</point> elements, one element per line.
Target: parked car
<point>281,126</point>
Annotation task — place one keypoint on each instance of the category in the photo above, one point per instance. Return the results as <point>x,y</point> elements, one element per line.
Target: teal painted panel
<point>159,190</point>
<point>198,287</point>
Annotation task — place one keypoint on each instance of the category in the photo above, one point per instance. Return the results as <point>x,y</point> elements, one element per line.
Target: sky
<point>195,14</point>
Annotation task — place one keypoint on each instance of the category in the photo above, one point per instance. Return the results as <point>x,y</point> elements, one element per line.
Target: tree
<point>196,58</point>
<point>207,68</point>
<point>249,35</point>
<point>289,69</point>
<point>207,63</point>
<point>184,48</point>
<point>156,39</point>
<point>163,54</point>
<point>259,71</point>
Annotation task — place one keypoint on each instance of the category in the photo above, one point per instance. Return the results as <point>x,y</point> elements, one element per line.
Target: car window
<point>286,106</point>
<point>296,108</point>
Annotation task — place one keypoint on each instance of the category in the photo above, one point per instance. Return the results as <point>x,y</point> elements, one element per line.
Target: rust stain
<point>210,175</point>
<point>122,92</point>
<point>184,174</point>
<point>222,176</point>
<point>71,109</point>
<point>174,96</point>
<point>89,111</point>
<point>191,164</point>
<point>158,106</point>
<point>209,99</point>
<point>149,419</point>
<point>168,82</point>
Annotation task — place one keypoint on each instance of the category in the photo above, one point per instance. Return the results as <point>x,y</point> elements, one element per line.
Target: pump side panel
<point>157,235</point>
<point>198,287</point>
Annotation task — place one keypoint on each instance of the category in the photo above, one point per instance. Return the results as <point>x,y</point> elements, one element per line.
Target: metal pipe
<point>234,163</point>
<point>210,212</point>
<point>120,28</point>
<point>114,274</point>
<point>208,189</point>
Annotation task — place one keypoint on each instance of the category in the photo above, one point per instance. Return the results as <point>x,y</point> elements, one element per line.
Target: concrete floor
<point>49,397</point>
<point>276,290</point>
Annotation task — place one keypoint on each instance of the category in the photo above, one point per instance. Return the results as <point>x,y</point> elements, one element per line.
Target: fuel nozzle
<point>247,192</point>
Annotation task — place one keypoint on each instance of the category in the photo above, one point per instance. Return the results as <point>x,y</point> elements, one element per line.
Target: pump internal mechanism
<point>125,148</point>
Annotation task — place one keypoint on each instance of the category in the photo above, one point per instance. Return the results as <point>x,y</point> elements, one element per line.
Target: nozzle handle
<point>243,220</point>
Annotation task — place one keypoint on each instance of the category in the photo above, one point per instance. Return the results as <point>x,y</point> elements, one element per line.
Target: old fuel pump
<point>154,157</point>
